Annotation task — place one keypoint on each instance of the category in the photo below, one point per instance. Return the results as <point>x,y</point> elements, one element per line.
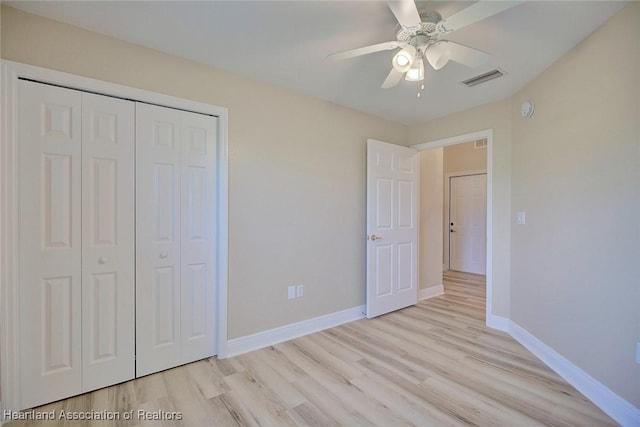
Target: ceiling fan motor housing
<point>428,26</point>
<point>419,40</point>
<point>423,35</point>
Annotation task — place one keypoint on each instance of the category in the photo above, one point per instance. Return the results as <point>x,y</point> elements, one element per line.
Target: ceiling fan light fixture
<point>404,59</point>
<point>416,72</point>
<point>437,55</point>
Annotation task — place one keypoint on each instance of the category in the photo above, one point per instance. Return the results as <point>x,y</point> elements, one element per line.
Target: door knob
<point>164,254</point>
<point>453,231</point>
<point>103,260</point>
<point>373,237</point>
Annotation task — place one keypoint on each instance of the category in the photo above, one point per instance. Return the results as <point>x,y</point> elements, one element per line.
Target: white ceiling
<point>286,43</point>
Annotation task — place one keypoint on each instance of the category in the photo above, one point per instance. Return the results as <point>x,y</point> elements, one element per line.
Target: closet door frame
<point>11,73</point>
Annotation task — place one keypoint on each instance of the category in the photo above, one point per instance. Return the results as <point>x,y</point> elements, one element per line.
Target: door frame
<point>11,73</point>
<point>446,265</point>
<point>488,135</point>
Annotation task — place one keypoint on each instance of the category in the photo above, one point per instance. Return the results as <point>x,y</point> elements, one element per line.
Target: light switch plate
<point>521,217</point>
<point>291,292</point>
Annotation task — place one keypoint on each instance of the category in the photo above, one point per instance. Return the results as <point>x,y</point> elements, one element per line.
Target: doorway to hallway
<point>482,142</point>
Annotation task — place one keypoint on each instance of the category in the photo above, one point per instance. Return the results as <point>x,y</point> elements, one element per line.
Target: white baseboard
<point>431,292</point>
<point>498,322</point>
<point>613,405</point>
<point>263,339</point>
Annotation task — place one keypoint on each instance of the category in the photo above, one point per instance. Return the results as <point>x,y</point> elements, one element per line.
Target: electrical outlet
<point>299,291</point>
<point>291,292</point>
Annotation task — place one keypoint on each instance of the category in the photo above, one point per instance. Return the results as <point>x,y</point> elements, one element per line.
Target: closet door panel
<point>107,241</point>
<point>198,235</point>
<point>158,339</point>
<point>50,247</point>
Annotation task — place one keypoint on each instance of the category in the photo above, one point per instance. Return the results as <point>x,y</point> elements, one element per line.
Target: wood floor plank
<point>343,387</point>
<point>308,415</point>
<point>207,381</point>
<point>224,414</point>
<point>265,374</point>
<point>337,349</point>
<point>281,364</point>
<point>433,364</point>
<point>477,409</point>
<point>388,356</point>
<point>400,401</point>
<point>266,408</point>
<point>238,409</point>
<point>330,404</point>
<point>149,388</point>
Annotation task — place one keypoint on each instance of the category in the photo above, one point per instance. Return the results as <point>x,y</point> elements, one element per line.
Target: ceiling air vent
<point>480,143</point>
<point>473,81</point>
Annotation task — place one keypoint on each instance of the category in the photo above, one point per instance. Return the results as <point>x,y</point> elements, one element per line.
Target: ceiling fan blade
<point>477,12</point>
<point>406,13</point>
<point>466,55</point>
<point>365,50</point>
<point>392,79</point>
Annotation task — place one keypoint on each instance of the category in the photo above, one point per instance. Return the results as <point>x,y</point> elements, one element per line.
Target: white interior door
<point>468,223</point>
<point>198,236</point>
<point>107,241</point>
<point>49,247</point>
<point>176,237</point>
<point>392,227</point>
<point>158,238</point>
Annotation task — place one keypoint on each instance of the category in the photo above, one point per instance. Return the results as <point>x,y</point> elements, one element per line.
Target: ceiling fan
<point>420,37</point>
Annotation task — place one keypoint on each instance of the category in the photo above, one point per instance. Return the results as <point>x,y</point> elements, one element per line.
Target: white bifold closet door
<point>76,246</point>
<point>108,247</point>
<point>175,237</point>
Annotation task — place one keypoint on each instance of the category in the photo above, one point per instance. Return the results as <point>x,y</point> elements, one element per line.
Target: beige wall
<point>296,170</point>
<point>431,201</point>
<point>464,157</point>
<point>496,116</point>
<point>576,173</point>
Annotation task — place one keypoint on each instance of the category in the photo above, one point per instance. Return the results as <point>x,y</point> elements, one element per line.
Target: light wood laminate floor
<point>434,364</point>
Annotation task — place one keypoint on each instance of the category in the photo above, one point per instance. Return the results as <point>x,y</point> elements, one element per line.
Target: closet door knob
<point>103,260</point>
<point>164,254</point>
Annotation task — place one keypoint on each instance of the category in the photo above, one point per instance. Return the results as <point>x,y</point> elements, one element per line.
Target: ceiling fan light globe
<point>437,55</point>
<point>413,75</point>
<point>403,60</point>
<point>416,72</point>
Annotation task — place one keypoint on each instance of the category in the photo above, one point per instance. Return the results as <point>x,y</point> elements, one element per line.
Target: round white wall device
<point>526,109</point>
